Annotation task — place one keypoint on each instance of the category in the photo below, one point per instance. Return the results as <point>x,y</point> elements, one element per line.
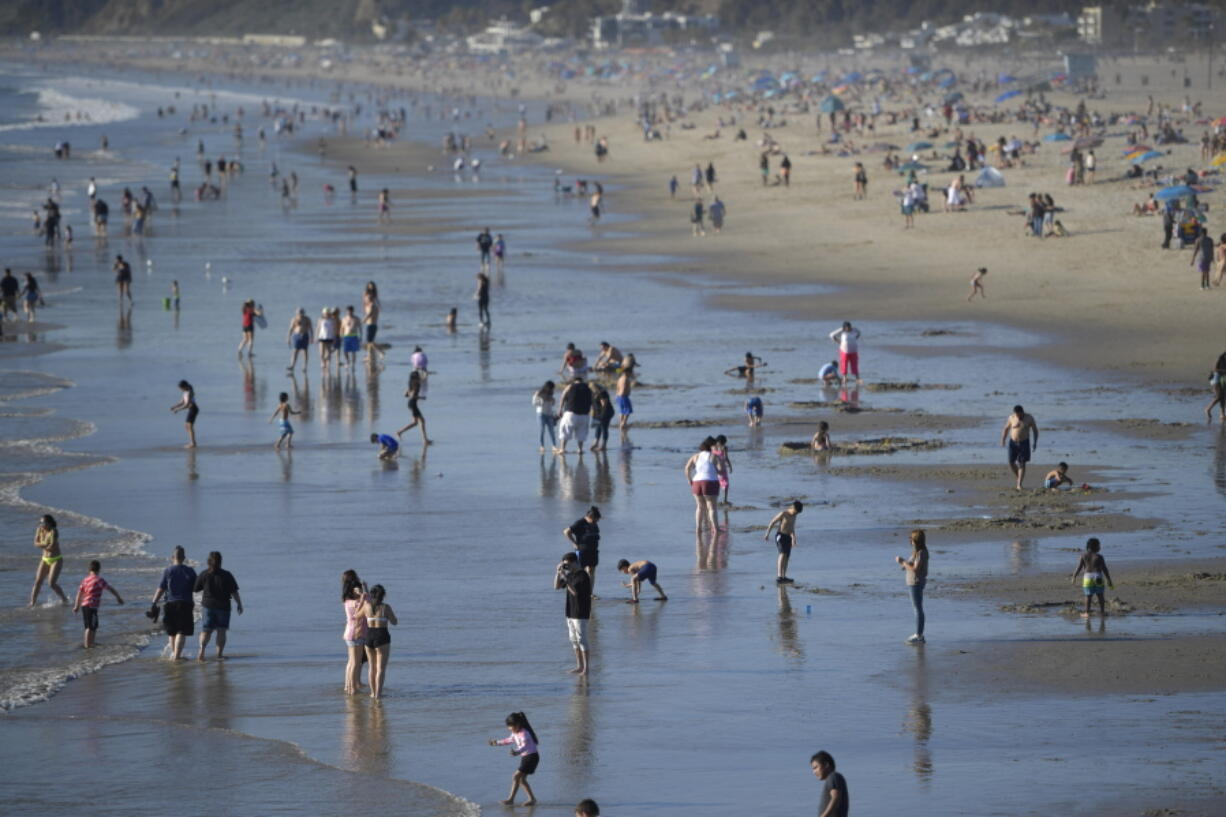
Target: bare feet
<point>531,802</point>
<point>576,671</point>
<point>507,802</point>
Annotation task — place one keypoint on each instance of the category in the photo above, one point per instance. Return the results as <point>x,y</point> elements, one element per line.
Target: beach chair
<point>1189,231</point>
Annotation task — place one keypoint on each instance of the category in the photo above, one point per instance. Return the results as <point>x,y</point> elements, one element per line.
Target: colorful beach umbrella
<point>1136,149</point>
<point>1220,122</point>
<point>1145,157</point>
<point>831,104</point>
<point>1219,160</point>
<point>1007,95</point>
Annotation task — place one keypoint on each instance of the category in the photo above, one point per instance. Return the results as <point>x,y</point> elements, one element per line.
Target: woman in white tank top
<point>702,472</point>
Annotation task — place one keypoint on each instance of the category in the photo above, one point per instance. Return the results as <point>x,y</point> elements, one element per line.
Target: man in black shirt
<point>484,242</point>
<point>576,415</point>
<point>584,534</point>
<point>835,801</point>
<point>9,287</point>
<point>578,585</point>
<point>217,587</point>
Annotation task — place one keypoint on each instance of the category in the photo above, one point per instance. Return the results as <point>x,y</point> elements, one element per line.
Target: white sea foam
<point>57,109</point>
<point>24,687</point>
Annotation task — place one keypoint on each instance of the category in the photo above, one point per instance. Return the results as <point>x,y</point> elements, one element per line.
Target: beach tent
<point>831,104</point>
<point>1007,95</point>
<point>1057,137</point>
<point>990,177</point>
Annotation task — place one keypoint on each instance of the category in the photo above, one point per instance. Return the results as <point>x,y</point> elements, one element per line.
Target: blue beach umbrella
<point>915,147</point>
<point>1005,79</point>
<point>1008,95</point>
<point>831,104</point>
<point>1145,157</point>
<point>1057,137</point>
<point>1177,191</point>
<point>909,167</point>
<point>953,97</point>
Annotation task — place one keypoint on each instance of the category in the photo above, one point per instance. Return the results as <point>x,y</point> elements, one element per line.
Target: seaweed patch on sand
<point>909,385</point>
<point>877,445</point>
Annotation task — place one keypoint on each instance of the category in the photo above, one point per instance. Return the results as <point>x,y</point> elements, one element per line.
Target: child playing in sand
<point>639,572</point>
<point>1057,477</point>
<point>525,742</point>
<point>89,596</point>
<point>1095,577</point>
<point>720,452</point>
<point>821,437</point>
<point>785,538</point>
<point>829,373</point>
<point>977,284</point>
<point>389,447</point>
<point>753,410</point>
<point>283,411</point>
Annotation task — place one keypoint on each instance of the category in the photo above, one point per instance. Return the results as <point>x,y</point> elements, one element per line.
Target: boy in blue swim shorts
<point>389,447</point>
<point>1095,577</point>
<point>639,572</point>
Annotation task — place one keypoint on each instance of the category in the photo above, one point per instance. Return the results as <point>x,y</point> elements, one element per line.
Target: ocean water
<point>710,703</point>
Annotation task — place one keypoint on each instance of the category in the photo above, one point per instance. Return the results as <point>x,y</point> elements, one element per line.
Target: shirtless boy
<point>609,359</point>
<point>1017,431</point>
<point>785,538</point>
<point>1092,568</point>
<point>639,572</point>
<point>625,382</point>
<point>1056,477</point>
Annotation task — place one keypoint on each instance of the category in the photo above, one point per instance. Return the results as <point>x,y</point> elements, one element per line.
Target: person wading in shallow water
<point>1019,427</point>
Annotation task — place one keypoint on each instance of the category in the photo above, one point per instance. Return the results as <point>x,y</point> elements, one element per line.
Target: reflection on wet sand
<point>372,389</point>
<point>483,353</point>
<point>790,644</point>
<point>1219,462</point>
<point>301,394</point>
<point>602,491</point>
<point>367,747</point>
<point>549,475</point>
<point>575,481</point>
<point>286,457</point>
<point>919,718</point>
<point>580,741</point>
<point>1022,555</point>
<point>123,331</point>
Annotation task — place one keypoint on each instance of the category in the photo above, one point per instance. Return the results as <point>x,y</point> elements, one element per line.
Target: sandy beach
<point>1103,335</point>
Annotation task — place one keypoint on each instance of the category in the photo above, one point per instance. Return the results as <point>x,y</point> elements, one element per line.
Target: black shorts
<point>377,637</point>
<point>193,411</point>
<point>783,543</point>
<point>589,557</point>
<point>1019,452</point>
<point>416,412</point>
<point>89,615</point>
<point>177,618</point>
<point>372,329</point>
<point>528,763</point>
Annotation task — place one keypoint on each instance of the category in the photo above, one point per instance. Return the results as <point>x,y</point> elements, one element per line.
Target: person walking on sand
<point>543,402</point>
<point>30,297</point>
<point>89,597</point>
<point>785,538</point>
<point>702,473</point>
<point>187,403</point>
<point>378,639</point>
<point>835,801</point>
<point>977,285</point>
<point>717,211</point>
<point>916,568</point>
<point>282,414</point>
<point>217,587</point>
<point>1217,381</point>
<point>569,575</point>
<point>696,218</point>
<point>250,313</point>
<point>860,177</point>
<point>724,464</point>
<point>639,572</point>
<point>584,534</point>
<point>1019,426</point>
<point>178,582</point>
<point>1095,577</point>
<point>848,339</point>
<point>327,336</point>
<point>299,339</point>
<point>1202,256</point>
<point>414,393</point>
<point>51,563</point>
<point>482,296</point>
<point>524,743</point>
<point>123,278</point>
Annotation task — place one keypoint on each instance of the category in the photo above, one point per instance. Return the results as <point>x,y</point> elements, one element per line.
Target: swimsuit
<point>1019,452</point>
<point>50,560</point>
<point>1093,583</point>
<point>783,543</point>
<point>285,427</point>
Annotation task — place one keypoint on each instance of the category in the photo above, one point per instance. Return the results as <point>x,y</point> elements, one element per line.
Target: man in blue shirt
<point>176,586</point>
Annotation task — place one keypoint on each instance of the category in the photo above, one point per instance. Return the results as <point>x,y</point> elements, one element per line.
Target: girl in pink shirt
<point>524,740</point>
